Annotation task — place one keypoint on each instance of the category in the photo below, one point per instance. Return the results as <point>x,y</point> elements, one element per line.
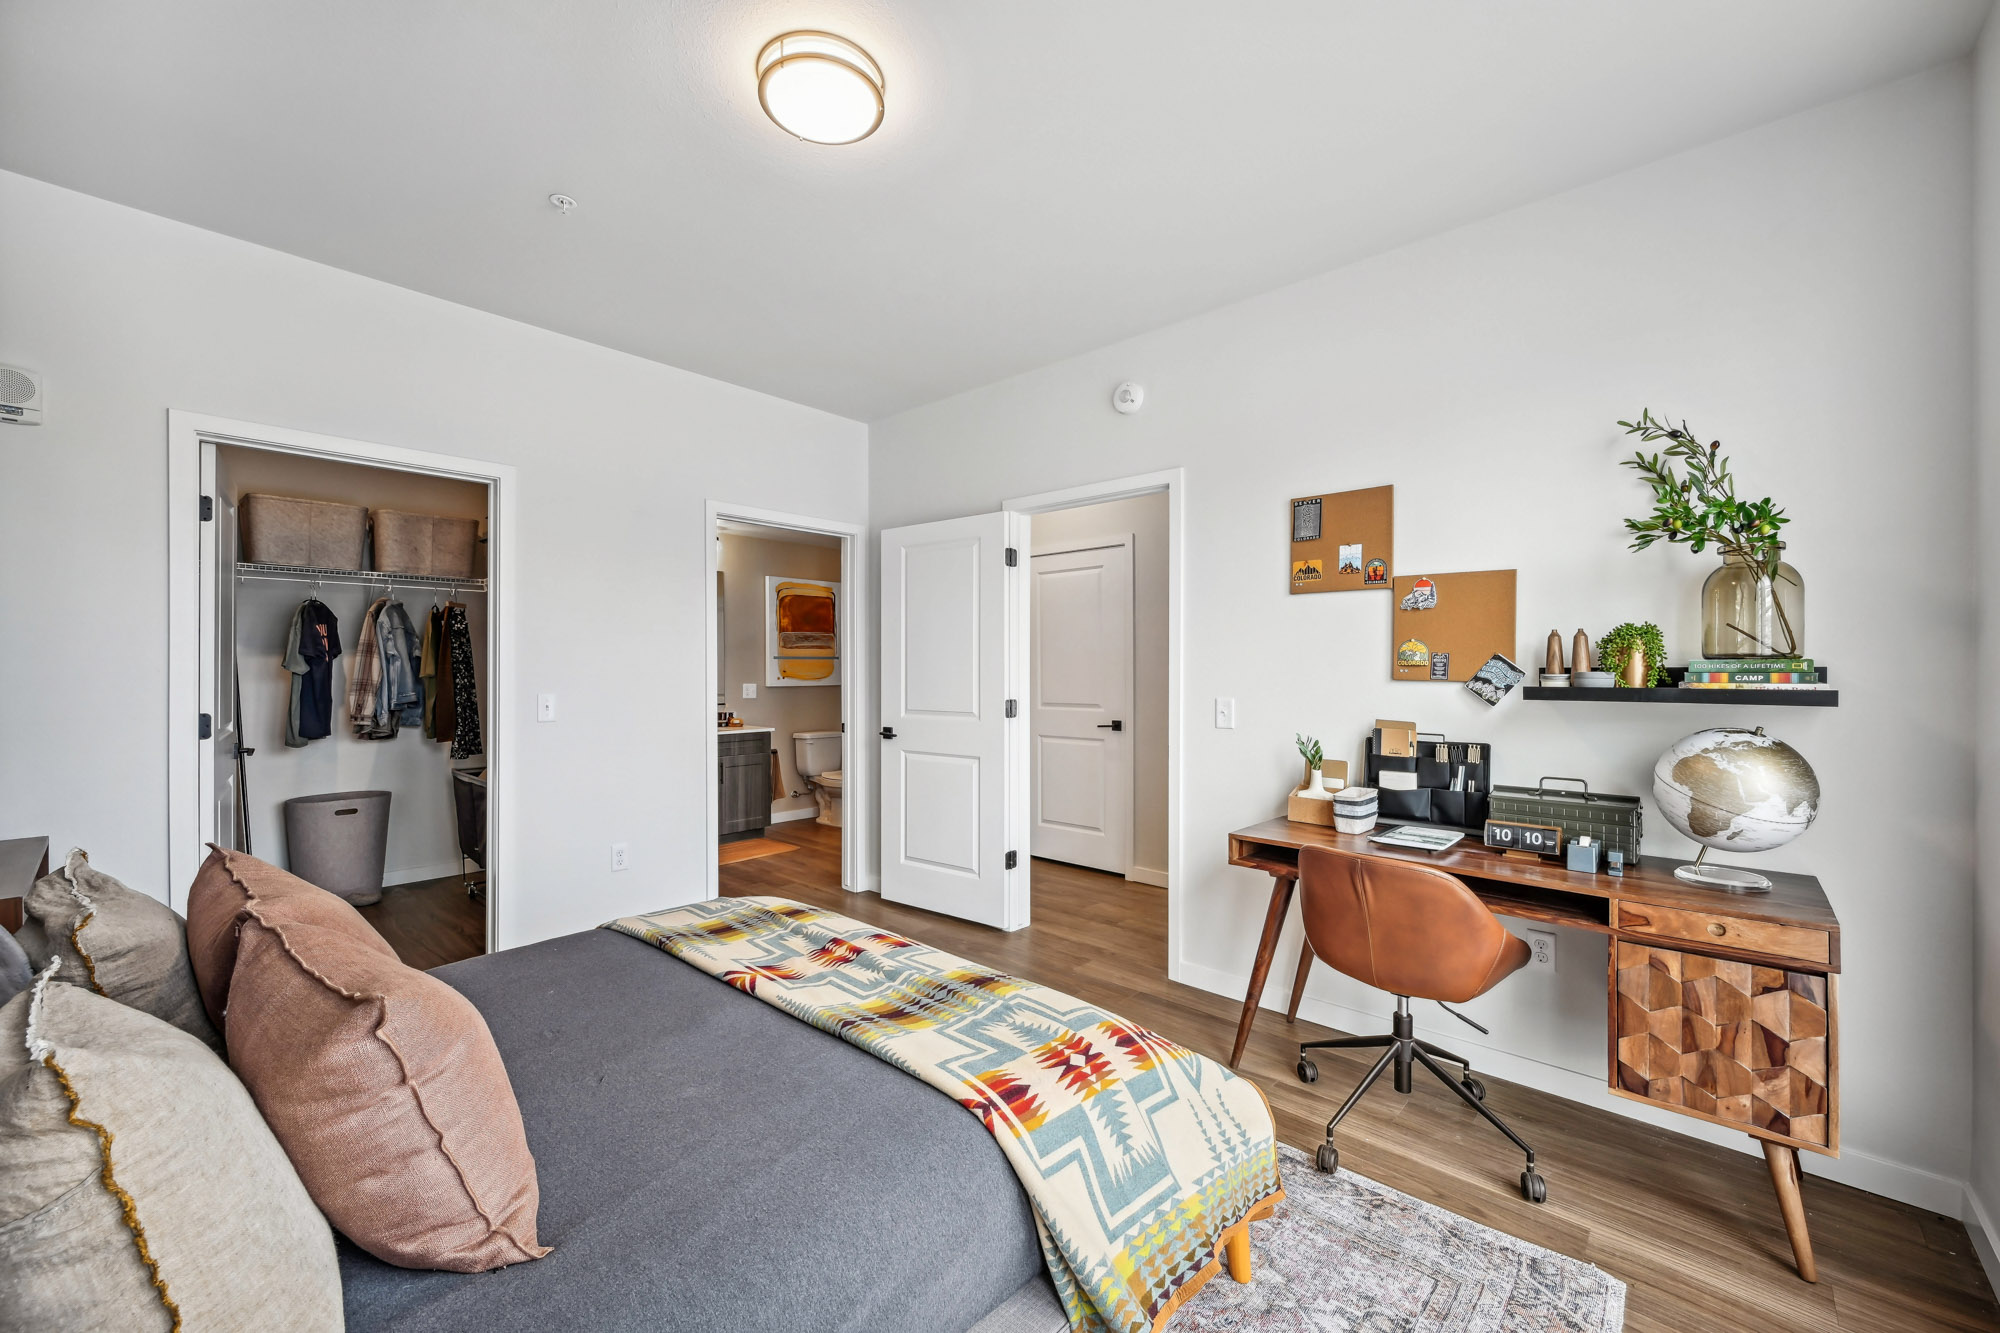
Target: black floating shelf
<point>1674,694</point>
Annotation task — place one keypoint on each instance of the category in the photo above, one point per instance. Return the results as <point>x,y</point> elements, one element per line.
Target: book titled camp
<point>1694,677</point>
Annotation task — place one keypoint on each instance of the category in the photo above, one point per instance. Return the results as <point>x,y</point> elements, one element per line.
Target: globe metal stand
<point>1735,879</point>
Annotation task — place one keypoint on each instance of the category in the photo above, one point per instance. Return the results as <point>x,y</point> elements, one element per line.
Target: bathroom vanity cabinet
<point>744,772</point>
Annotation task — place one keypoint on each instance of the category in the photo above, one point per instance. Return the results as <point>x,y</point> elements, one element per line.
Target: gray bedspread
<point>709,1163</point>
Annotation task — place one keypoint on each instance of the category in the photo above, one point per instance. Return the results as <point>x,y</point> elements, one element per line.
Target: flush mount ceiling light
<point>819,87</point>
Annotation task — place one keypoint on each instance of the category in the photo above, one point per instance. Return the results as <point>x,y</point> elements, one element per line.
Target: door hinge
<point>1013,708</point>
<point>208,509</point>
<point>1013,859</point>
<point>1013,557</point>
<point>207,728</point>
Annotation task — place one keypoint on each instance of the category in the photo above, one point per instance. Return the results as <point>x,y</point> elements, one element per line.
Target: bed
<point>709,1163</point>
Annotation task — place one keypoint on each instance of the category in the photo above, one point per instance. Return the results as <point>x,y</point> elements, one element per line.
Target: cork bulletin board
<point>1343,542</point>
<point>1447,625</point>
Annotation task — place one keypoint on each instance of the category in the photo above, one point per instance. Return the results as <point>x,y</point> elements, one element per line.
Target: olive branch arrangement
<point>1702,508</point>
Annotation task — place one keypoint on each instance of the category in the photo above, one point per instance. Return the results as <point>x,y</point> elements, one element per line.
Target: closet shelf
<point>304,574</point>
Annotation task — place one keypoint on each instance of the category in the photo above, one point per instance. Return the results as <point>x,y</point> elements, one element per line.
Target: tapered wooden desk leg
<point>1299,982</point>
<point>1784,1164</point>
<point>1274,923</point>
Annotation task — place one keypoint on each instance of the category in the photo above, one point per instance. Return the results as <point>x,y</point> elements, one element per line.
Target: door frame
<point>1172,481</point>
<point>1071,546</point>
<point>190,663</point>
<point>857,800</point>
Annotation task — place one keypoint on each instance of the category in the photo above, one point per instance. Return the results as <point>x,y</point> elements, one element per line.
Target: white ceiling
<point>1051,176</point>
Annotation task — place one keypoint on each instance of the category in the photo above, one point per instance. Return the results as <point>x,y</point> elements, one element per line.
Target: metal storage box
<point>340,841</point>
<point>317,534</point>
<point>1613,821</point>
<point>424,544</point>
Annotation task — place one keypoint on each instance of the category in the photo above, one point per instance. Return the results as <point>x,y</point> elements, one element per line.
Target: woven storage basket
<point>317,534</point>
<point>424,544</point>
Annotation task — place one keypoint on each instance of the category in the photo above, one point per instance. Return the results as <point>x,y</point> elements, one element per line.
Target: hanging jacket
<point>400,700</point>
<point>364,680</point>
<point>427,668</point>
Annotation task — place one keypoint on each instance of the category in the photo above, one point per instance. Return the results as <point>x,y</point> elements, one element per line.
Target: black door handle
<point>1118,725</point>
<point>888,733</point>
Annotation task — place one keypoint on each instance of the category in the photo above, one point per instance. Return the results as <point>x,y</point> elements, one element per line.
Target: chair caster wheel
<point>1533,1188</point>
<point>1475,1087</point>
<point>1327,1158</point>
<point>1308,1071</point>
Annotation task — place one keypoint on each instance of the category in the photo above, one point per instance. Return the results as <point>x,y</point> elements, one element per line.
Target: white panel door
<point>1080,706</point>
<point>954,769</point>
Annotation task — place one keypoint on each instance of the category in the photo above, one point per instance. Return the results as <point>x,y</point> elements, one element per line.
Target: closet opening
<point>347,664</point>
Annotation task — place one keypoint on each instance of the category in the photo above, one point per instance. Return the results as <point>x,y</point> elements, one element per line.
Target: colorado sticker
<point>1350,558</point>
<point>1377,572</point>
<point>1422,596</point>
<point>1413,653</point>
<point>1307,571</point>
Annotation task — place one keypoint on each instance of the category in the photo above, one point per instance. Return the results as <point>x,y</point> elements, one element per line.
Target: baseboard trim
<point>790,816</point>
<point>1979,1225</point>
<point>1863,1170</point>
<point>1147,875</point>
<point>393,878</point>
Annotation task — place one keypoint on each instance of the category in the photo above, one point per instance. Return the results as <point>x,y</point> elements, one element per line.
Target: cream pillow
<point>141,1189</point>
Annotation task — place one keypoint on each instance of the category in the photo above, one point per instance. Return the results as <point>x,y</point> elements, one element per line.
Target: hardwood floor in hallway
<point>1690,1227</point>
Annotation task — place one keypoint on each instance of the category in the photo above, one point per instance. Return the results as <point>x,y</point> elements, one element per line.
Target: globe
<point>1734,790</point>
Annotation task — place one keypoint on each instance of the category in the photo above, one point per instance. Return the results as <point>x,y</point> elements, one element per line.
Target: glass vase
<point>1746,612</point>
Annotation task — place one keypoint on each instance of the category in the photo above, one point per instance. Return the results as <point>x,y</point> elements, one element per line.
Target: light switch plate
<point>749,690</point>
<point>1225,713</point>
<point>545,708</point>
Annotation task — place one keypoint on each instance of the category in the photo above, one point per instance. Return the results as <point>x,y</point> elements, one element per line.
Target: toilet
<point>818,756</point>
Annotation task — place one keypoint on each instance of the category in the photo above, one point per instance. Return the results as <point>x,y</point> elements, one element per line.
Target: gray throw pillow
<point>121,943</point>
<point>142,1190</point>
<point>33,943</point>
<point>15,971</point>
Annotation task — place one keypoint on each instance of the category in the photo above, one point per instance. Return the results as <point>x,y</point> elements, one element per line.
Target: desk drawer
<point>1725,932</point>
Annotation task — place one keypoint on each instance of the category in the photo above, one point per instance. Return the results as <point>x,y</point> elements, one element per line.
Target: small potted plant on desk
<point>1635,654</point>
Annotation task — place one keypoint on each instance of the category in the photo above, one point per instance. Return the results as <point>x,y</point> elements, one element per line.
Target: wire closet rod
<point>364,577</point>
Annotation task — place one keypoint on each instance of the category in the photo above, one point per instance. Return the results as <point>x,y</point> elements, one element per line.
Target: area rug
<point>749,849</point>
<point>1347,1255</point>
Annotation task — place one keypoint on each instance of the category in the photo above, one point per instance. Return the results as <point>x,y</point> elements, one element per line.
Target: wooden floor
<point>1692,1229</point>
<point>432,922</point>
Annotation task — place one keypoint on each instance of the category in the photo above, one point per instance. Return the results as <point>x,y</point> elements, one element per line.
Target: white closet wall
<point>423,837</point>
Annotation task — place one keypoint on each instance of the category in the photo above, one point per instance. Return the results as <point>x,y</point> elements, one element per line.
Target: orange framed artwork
<point>801,631</point>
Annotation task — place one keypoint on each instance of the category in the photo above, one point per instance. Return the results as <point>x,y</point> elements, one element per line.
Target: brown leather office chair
<point>1419,934</point>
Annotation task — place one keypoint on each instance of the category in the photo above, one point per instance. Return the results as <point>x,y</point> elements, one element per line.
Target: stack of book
<point>1752,673</point>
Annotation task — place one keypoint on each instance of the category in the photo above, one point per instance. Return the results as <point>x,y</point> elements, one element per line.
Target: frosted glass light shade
<point>819,87</point>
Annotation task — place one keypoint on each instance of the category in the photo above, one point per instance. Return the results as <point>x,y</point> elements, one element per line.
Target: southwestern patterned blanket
<point>1137,1154</point>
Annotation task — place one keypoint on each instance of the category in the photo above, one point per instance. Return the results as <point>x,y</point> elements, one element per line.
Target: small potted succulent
<point>1636,654</point>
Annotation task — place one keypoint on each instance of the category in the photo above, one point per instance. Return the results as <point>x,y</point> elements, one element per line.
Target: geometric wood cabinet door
<point>1735,1043</point>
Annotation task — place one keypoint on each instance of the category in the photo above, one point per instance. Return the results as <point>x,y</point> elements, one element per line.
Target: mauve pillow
<point>125,945</point>
<point>387,1092</point>
<point>227,884</point>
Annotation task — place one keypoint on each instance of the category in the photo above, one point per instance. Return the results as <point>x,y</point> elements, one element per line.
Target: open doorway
<point>782,656</point>
<point>336,617</point>
<point>1097,687</point>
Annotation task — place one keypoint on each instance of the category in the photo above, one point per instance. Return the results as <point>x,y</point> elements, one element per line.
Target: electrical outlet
<point>749,690</point>
<point>1225,713</point>
<point>1542,950</point>
<point>545,708</point>
<point>620,856</point>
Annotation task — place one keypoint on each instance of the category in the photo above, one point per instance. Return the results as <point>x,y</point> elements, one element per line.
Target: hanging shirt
<point>427,668</point>
<point>364,680</point>
<point>314,642</point>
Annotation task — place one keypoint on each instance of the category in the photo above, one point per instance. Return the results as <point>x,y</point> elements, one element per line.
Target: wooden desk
<point>1722,1006</point>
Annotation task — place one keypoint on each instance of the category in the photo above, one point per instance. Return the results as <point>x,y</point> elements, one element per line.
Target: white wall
<point>1983,1211</point>
<point>131,314</point>
<point>1145,518</point>
<point>786,709</point>
<point>1801,291</point>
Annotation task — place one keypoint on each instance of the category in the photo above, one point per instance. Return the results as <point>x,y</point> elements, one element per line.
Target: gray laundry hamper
<point>340,841</point>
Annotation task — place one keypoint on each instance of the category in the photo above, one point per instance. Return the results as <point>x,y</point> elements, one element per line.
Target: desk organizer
<point>1434,765</point>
